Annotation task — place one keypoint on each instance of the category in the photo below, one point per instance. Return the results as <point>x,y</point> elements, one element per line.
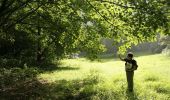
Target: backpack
<point>135,66</point>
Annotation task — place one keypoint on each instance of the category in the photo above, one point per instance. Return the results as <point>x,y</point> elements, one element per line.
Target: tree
<point>55,28</point>
<point>133,21</point>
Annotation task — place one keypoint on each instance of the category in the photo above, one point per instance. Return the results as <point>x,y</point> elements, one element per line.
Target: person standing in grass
<point>130,66</point>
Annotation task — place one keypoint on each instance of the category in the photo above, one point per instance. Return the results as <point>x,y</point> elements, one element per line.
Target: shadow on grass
<point>56,67</point>
<point>151,79</point>
<point>17,83</point>
<point>22,84</point>
<point>69,90</point>
<point>59,90</point>
<point>162,90</point>
<point>50,69</point>
<point>22,90</point>
<point>131,95</point>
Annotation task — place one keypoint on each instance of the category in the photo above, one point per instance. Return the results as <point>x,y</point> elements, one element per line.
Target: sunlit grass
<point>152,79</point>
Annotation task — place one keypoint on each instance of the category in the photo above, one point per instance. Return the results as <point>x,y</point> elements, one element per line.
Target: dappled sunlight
<point>151,79</point>
<point>70,49</point>
<point>83,79</point>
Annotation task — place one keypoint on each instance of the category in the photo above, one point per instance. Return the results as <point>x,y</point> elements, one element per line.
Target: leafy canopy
<point>54,28</point>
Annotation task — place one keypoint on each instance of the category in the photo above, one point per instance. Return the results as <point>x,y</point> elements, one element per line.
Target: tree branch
<point>117,4</point>
<point>7,9</point>
<point>99,12</point>
<point>25,16</point>
<point>24,23</point>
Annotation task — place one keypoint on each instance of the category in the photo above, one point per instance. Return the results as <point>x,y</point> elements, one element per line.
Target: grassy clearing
<point>105,80</point>
<point>81,79</point>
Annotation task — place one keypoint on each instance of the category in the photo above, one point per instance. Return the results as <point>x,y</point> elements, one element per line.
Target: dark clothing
<point>130,66</point>
<point>129,76</point>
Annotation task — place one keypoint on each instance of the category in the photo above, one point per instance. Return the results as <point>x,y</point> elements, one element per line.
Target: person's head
<point>130,55</point>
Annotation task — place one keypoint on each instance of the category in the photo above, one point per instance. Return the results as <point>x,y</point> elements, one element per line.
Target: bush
<point>10,77</point>
<point>9,63</point>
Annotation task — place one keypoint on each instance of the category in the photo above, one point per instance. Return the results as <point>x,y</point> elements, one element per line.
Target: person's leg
<point>129,76</point>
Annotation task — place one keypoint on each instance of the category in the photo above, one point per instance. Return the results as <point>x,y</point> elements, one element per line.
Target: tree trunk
<point>39,51</point>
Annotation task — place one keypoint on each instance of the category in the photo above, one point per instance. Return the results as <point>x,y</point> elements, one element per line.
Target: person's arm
<point>121,58</point>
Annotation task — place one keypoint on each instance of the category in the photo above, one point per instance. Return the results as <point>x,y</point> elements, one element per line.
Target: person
<point>130,66</point>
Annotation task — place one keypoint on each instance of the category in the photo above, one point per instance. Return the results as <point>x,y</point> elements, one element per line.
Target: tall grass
<point>81,79</point>
<point>106,80</point>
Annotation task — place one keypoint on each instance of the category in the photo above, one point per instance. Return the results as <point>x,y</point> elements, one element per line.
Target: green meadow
<point>81,79</point>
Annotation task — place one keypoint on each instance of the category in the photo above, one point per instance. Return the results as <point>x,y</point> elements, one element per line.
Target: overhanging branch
<point>99,12</point>
<point>25,16</point>
<point>115,3</point>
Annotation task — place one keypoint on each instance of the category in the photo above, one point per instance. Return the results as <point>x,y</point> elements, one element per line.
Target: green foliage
<point>44,30</point>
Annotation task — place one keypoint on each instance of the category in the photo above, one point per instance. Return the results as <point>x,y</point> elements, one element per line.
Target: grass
<point>81,79</point>
<point>105,79</point>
